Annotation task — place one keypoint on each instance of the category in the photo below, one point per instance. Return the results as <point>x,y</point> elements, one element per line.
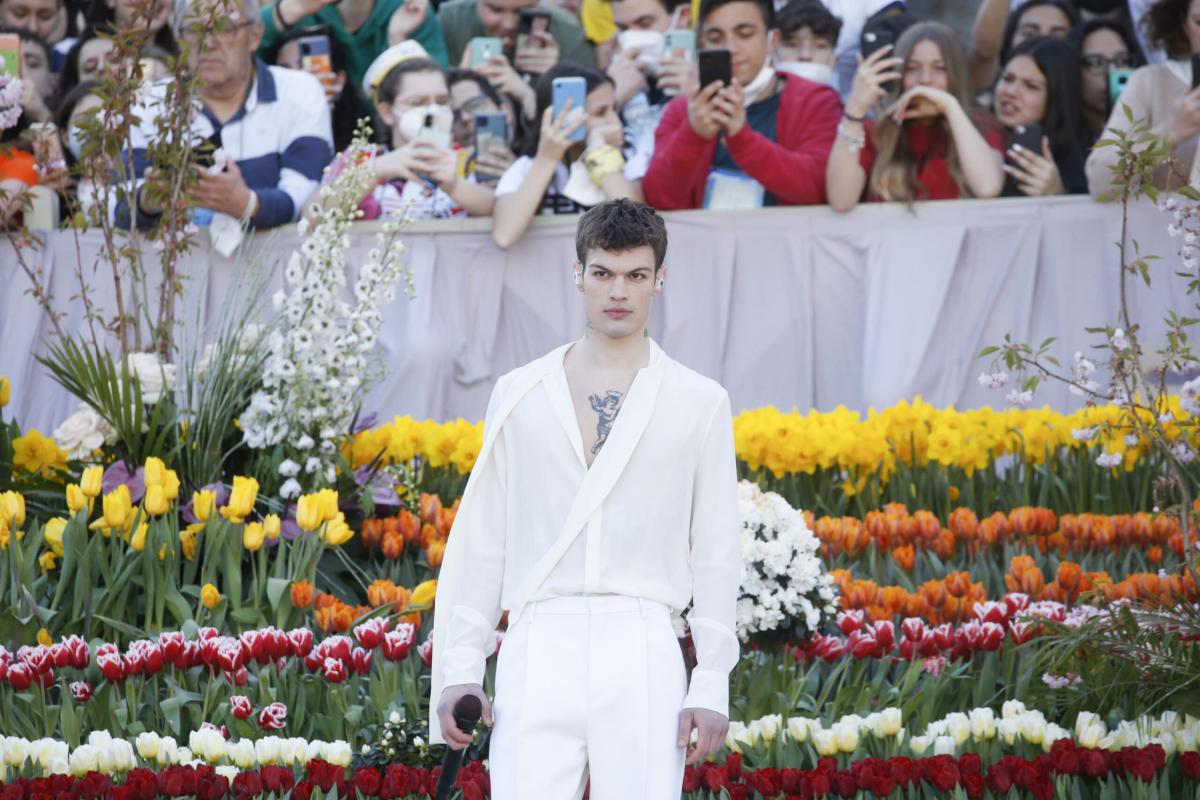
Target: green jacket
<point>363,45</point>
<point>460,24</point>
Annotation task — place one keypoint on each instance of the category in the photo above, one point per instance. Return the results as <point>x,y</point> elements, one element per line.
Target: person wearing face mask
<point>557,175</point>
<point>808,36</point>
<point>1039,85</point>
<point>347,102</point>
<point>997,31</point>
<point>763,140</point>
<point>417,178</point>
<point>1161,97</point>
<point>925,142</point>
<point>1104,45</point>
<point>645,77</point>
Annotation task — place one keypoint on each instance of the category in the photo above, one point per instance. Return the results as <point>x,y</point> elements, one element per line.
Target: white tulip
<point>1053,734</point>
<point>316,749</point>
<point>1186,739</point>
<point>889,722</point>
<point>208,744</point>
<point>1169,743</point>
<point>769,727</point>
<point>168,749</point>
<point>16,750</point>
<point>983,724</point>
<point>148,745</point>
<point>1012,709</point>
<point>1008,729</point>
<point>58,766</point>
<point>918,745</point>
<point>339,754</point>
<point>1033,727</point>
<point>958,728</point>
<point>845,734</point>
<point>182,755</point>
<point>295,751</point>
<point>944,746</point>
<point>228,772</point>
<point>266,750</point>
<point>824,742</point>
<point>84,759</point>
<point>797,728</point>
<point>241,753</point>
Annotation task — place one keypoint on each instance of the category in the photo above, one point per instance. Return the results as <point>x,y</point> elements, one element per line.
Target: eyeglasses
<point>197,30</point>
<point>472,107</point>
<point>1099,64</point>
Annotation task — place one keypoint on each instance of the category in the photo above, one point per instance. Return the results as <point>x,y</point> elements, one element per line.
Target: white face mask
<point>412,120</point>
<point>74,141</point>
<point>648,45</point>
<point>760,83</point>
<point>817,73</point>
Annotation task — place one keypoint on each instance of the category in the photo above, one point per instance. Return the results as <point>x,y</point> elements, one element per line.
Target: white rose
<point>155,377</point>
<point>83,432</point>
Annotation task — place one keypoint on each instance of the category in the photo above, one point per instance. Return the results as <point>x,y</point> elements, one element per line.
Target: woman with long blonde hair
<point>927,144</point>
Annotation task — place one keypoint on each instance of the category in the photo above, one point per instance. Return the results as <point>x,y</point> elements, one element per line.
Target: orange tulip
<point>393,545</point>
<point>302,594</point>
<point>905,557</point>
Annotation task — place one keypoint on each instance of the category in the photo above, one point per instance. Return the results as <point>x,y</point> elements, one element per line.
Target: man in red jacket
<point>761,141</point>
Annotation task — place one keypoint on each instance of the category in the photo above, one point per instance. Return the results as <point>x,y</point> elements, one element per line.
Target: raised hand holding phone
<point>871,80</point>
<point>537,55</point>
<point>1033,168</point>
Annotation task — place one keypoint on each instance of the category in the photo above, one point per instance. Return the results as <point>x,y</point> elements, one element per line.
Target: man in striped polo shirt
<point>271,124</point>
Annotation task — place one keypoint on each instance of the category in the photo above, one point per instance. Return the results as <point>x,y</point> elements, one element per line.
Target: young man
<point>763,140</point>
<point>604,498</point>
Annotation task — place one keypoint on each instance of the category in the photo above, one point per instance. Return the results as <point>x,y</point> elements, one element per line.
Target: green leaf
<point>275,590</point>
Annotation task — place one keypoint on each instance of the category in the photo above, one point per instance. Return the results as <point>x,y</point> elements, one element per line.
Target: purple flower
<point>365,422</point>
<point>381,485</point>
<point>118,473</point>
<point>222,491</point>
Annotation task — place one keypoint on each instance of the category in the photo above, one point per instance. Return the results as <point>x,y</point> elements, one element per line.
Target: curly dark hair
<point>617,226</point>
<point>1163,24</point>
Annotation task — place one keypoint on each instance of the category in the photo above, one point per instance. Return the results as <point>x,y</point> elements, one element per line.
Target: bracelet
<point>252,205</point>
<point>853,119</point>
<point>854,141</point>
<point>283,23</point>
<point>603,162</point>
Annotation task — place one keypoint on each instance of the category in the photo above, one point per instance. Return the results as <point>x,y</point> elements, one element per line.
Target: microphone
<point>467,711</point>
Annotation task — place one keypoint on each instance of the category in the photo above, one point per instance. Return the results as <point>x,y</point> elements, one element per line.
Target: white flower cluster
<point>1081,377</point>
<point>1189,397</point>
<point>993,380</point>
<point>10,101</point>
<point>1015,723</point>
<point>1181,213</point>
<point>784,585</point>
<point>103,753</point>
<point>243,348</point>
<point>83,432</point>
<point>318,363</point>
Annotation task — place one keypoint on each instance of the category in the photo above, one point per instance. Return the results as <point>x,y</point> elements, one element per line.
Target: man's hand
<point>536,53</point>
<point>702,112</point>
<point>507,81</point>
<point>456,739</point>
<point>555,141</point>
<point>678,75</point>
<point>406,19</point>
<point>225,191</point>
<point>729,109</point>
<point>1183,120</point>
<point>292,11</point>
<point>711,729</point>
<point>627,75</point>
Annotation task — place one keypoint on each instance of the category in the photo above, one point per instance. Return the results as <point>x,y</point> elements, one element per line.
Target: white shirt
<point>655,516</point>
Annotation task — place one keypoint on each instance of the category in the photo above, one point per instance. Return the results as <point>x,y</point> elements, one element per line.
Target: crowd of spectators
<point>802,102</point>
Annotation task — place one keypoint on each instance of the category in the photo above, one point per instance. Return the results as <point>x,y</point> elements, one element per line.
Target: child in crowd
<point>808,36</point>
<point>927,143</point>
<point>557,175</point>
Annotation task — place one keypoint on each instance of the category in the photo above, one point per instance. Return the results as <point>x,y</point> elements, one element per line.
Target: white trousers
<point>589,685</point>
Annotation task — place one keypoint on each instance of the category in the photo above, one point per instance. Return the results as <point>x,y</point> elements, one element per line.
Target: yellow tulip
<point>271,526</point>
<point>153,471</point>
<point>46,561</point>
<point>4,390</point>
<point>241,499</point>
<point>170,485</point>
<point>12,509</point>
<point>328,499</point>
<point>187,540</point>
<point>424,593</point>
<point>76,500</point>
<point>157,503</point>
<point>203,504</point>
<point>209,596</point>
<point>138,540</point>
<point>118,510</point>
<point>308,512</point>
<point>336,532</point>
<point>52,532</point>
<point>91,481</point>
<point>252,536</point>
<point>44,637</point>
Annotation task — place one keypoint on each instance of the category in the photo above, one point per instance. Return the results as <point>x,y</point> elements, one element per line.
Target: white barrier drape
<point>791,307</point>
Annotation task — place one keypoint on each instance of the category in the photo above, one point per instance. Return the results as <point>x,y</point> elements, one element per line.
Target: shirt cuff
<point>710,690</point>
<point>462,665</point>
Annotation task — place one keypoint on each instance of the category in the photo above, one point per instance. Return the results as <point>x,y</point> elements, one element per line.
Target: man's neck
<point>597,351</point>
<point>225,100</point>
<point>354,13</point>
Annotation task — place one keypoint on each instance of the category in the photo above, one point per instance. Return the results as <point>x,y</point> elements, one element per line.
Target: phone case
<point>715,65</point>
<point>491,132</point>
<point>576,90</point>
<point>680,40</point>
<point>484,48</point>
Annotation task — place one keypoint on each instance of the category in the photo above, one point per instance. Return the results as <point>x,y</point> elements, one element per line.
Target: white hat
<point>386,61</point>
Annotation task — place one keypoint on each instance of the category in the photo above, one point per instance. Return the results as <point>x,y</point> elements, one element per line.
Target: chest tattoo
<point>607,407</point>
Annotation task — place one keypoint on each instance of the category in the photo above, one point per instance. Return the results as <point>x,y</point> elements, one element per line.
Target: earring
<point>659,283</point>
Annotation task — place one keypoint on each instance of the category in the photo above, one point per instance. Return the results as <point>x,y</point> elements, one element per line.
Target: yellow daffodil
<point>35,453</point>
<point>241,499</point>
<point>272,526</point>
<point>91,481</point>
<point>4,390</point>
<point>138,540</point>
<point>336,532</point>
<point>46,562</point>
<point>209,596</point>
<point>52,532</point>
<point>423,593</point>
<point>203,504</point>
<point>76,500</point>
<point>156,502</point>
<point>252,536</point>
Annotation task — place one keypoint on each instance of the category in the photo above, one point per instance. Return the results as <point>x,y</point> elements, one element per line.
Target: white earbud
<point>659,283</point>
<point>579,279</point>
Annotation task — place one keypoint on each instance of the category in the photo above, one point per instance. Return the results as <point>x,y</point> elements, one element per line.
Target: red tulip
<point>361,659</point>
<point>300,641</point>
<point>173,644</point>
<point>241,706</point>
<point>396,643</point>
<point>112,667</point>
<point>273,717</point>
<point>370,633</point>
<point>81,691</point>
<point>335,670</point>
<point>21,675</point>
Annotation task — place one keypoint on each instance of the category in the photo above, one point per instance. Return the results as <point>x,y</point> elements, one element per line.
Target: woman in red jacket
<point>763,140</point>
<point>928,143</point>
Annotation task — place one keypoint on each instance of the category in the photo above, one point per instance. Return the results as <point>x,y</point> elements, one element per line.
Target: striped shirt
<point>280,138</point>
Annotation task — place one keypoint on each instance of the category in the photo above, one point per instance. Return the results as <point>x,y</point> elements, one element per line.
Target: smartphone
<point>575,90</point>
<point>10,54</point>
<point>485,48</point>
<point>1195,70</point>
<point>875,37</point>
<point>437,128</point>
<point>680,42</point>
<point>715,65</point>
<point>491,133</point>
<point>1117,79</point>
<point>1029,137</point>
<point>533,20</point>
<point>315,54</point>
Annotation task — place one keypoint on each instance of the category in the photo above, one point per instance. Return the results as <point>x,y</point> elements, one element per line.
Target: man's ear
<point>773,38</point>
<point>256,35</point>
